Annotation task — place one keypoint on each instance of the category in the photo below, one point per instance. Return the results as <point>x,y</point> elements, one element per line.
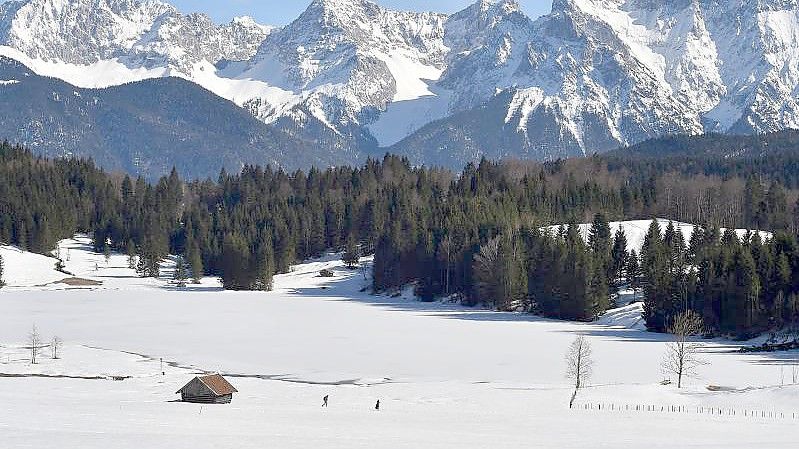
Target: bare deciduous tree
<point>682,355</point>
<point>35,342</point>
<point>445,255</point>
<point>579,364</point>
<point>486,270</point>
<point>55,346</point>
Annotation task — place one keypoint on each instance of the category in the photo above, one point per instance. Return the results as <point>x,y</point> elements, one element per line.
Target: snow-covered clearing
<point>636,231</point>
<point>447,377</point>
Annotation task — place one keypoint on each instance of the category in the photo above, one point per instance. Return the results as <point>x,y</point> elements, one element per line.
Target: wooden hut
<point>213,389</point>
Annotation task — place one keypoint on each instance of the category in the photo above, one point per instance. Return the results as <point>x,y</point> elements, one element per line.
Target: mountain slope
<point>144,127</point>
<point>355,77</point>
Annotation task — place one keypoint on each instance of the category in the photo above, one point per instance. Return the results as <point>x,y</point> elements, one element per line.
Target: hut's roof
<point>216,383</point>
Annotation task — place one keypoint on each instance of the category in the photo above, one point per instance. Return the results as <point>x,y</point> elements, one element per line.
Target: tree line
<point>484,234</point>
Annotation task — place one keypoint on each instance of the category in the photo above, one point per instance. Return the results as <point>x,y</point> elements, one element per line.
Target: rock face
<point>597,74</point>
<point>357,78</point>
<point>141,33</point>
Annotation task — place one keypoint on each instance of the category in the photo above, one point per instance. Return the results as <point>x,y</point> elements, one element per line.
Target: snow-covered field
<point>447,377</point>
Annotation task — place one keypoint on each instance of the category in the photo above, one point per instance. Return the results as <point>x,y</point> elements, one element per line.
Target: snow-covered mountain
<point>139,33</point>
<point>590,76</point>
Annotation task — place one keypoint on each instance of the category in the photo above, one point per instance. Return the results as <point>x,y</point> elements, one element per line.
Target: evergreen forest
<point>498,234</point>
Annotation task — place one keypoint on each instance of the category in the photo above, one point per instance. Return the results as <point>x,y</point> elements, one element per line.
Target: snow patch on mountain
<point>100,74</point>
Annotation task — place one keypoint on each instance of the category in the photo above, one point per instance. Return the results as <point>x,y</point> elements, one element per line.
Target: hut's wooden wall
<point>198,392</point>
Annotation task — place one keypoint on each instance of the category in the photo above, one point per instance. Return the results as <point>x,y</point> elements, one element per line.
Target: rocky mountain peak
<point>590,76</point>
<point>147,33</point>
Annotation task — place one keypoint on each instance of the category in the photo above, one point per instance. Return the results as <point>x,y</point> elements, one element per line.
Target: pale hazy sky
<point>279,12</point>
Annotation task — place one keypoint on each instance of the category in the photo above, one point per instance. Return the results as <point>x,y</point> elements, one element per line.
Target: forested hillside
<point>477,234</point>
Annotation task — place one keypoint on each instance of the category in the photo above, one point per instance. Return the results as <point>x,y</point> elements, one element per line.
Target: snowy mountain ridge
<point>590,76</point>
<point>139,33</point>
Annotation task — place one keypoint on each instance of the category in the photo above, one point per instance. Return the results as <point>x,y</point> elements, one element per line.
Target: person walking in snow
<point>377,406</point>
<point>324,401</point>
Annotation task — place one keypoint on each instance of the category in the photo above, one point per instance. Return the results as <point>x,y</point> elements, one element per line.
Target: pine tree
<point>2,269</point>
<point>264,265</point>
<point>236,266</point>
<point>574,283</point>
<point>745,313</point>
<point>600,243</point>
<point>387,257</point>
<point>130,250</point>
<point>619,254</point>
<point>196,264</point>
<point>777,207</point>
<point>598,298</point>
<point>696,244</point>
<point>180,274</point>
<point>149,264</point>
<point>351,256</point>
<point>754,205</point>
<point>21,235</point>
<point>633,271</point>
<point>655,279</point>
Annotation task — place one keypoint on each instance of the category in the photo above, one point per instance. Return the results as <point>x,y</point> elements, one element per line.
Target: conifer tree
<point>577,302</point>
<point>130,250</point>
<point>655,279</point>
<point>599,237</point>
<point>180,274</point>
<point>600,243</point>
<point>696,244</point>
<point>196,264</point>
<point>264,265</point>
<point>2,269</point>
<point>619,254</point>
<point>633,271</point>
<point>746,303</point>
<point>598,298</point>
<point>754,205</point>
<point>777,208</point>
<point>22,235</point>
<point>351,255</point>
<point>236,266</point>
<point>387,257</point>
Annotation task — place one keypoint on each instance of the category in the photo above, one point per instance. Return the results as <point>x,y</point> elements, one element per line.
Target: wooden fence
<point>682,409</point>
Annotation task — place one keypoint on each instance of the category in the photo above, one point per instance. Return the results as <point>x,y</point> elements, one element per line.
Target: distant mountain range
<point>145,127</point>
<point>348,79</point>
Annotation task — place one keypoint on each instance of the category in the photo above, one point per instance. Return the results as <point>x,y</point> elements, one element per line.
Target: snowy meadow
<point>446,376</point>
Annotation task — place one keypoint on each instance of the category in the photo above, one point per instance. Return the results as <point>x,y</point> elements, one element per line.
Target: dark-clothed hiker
<point>377,406</point>
<point>324,401</point>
